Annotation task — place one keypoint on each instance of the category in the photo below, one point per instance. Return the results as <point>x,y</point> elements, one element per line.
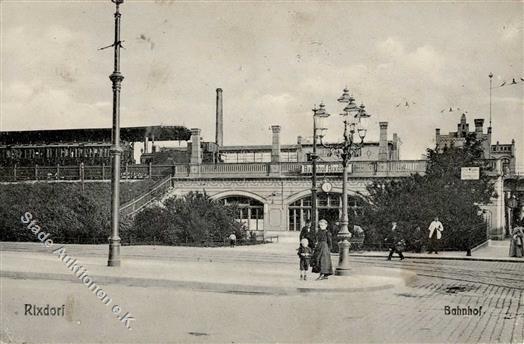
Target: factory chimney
<point>479,125</point>
<point>383,142</point>
<point>219,131</point>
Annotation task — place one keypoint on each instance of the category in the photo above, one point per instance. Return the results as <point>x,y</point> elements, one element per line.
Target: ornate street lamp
<point>355,130</point>
<point>116,151</point>
<point>319,127</point>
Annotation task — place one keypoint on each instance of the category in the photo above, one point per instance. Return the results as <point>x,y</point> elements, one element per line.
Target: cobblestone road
<point>415,313</point>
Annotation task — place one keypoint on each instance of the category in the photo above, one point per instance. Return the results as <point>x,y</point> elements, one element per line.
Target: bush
<point>192,219</point>
<point>68,213</point>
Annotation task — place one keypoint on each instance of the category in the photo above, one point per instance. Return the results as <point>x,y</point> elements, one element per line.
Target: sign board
<point>470,173</point>
<point>325,168</point>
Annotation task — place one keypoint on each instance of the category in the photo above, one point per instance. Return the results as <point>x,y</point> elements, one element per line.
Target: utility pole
<point>490,88</point>
<point>116,151</point>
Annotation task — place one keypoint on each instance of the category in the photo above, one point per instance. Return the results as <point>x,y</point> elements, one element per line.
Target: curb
<point>481,245</point>
<point>436,257</point>
<point>194,285</point>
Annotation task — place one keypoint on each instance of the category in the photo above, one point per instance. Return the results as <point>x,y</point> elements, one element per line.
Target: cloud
<point>512,31</point>
<point>45,103</point>
<point>67,73</point>
<point>391,48</point>
<point>423,62</point>
<point>59,35</point>
<point>54,76</point>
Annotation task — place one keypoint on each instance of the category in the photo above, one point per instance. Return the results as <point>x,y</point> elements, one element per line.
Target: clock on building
<point>326,187</point>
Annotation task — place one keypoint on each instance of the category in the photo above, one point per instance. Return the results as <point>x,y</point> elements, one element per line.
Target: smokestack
<point>196,152</point>
<point>383,142</point>
<point>395,155</point>
<point>275,146</point>
<point>219,130</point>
<point>479,125</point>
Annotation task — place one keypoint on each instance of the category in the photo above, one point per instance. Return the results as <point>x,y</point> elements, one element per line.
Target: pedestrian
<point>395,242</point>
<point>323,264</point>
<point>359,236</point>
<point>304,253</point>
<point>232,240</point>
<point>435,234</point>
<point>516,245</point>
<point>416,244</point>
<point>308,233</point>
<point>334,229</point>
<point>520,220</point>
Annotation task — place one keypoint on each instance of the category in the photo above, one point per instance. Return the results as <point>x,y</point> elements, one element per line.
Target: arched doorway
<point>506,165</point>
<point>329,207</point>
<point>250,211</point>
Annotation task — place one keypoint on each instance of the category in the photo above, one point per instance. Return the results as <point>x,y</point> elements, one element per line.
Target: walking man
<point>395,242</point>
<point>435,234</point>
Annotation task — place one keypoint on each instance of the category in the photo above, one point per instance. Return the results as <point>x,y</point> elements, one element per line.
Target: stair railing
<point>159,189</point>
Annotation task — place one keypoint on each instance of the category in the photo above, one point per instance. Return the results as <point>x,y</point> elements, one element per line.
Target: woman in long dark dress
<point>323,251</point>
<point>516,247</point>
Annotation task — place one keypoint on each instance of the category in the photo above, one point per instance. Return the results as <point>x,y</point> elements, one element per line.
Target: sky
<point>274,62</point>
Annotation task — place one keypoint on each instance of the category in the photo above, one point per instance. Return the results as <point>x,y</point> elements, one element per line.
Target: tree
<point>415,201</point>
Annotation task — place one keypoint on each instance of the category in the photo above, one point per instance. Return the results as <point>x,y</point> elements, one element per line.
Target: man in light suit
<point>435,234</point>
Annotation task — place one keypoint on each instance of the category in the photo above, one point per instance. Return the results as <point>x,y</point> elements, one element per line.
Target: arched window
<point>250,211</point>
<point>329,207</point>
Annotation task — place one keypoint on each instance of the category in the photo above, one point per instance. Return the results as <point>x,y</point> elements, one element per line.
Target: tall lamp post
<point>355,118</point>
<point>319,115</point>
<point>116,151</point>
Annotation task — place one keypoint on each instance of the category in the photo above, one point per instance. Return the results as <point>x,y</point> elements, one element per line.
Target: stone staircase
<point>155,194</point>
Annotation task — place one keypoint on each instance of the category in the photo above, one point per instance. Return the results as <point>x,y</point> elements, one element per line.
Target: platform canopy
<point>129,134</point>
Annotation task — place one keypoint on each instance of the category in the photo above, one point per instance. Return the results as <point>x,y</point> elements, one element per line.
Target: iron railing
<point>372,169</point>
<point>156,192</point>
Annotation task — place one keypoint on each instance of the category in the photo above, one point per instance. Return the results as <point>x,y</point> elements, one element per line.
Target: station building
<point>270,183</point>
<point>504,152</point>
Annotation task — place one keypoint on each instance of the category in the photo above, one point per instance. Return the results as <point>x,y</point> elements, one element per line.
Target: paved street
<point>411,313</point>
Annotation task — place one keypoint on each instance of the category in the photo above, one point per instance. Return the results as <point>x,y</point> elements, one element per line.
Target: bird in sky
<point>514,82</point>
<point>405,103</point>
<point>503,83</point>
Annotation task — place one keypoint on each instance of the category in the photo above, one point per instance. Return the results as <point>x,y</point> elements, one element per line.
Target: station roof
<point>129,134</point>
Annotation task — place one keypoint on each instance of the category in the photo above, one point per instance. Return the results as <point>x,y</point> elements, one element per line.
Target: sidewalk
<point>230,277</point>
<point>493,251</point>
